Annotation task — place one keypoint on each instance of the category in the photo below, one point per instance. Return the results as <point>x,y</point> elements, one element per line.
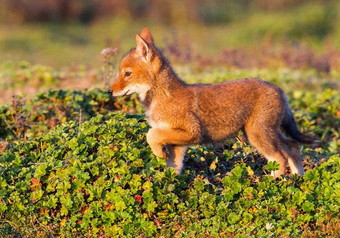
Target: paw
<point>158,152</point>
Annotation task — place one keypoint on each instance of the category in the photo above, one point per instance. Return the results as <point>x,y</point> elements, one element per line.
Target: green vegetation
<point>70,167</point>
<point>46,110</point>
<point>100,177</point>
<point>24,74</point>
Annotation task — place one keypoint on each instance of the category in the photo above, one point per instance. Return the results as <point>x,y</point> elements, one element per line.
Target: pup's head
<point>138,68</point>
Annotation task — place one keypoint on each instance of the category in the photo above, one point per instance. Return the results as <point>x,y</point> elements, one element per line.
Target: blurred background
<point>62,32</point>
<point>54,35</point>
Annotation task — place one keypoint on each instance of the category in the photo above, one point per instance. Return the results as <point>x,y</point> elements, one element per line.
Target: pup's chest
<point>157,117</point>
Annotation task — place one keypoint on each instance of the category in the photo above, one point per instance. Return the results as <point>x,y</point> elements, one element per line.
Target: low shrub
<point>99,177</point>
<point>36,116</point>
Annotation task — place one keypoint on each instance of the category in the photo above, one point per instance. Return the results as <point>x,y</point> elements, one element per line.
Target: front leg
<point>158,137</point>
<point>155,145</point>
<point>170,143</point>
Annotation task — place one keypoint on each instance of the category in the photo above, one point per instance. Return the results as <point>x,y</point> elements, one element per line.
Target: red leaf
<point>138,199</point>
<point>109,207</point>
<point>35,184</point>
<point>157,223</point>
<point>84,209</point>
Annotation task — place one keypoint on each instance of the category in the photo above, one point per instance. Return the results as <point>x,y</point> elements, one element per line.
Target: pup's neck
<point>165,83</point>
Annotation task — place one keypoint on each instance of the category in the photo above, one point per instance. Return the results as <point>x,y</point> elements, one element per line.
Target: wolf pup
<point>181,114</point>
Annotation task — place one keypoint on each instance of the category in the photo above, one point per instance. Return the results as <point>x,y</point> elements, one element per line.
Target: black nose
<point>109,91</point>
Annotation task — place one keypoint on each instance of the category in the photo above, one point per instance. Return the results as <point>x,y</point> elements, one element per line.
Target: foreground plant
<point>99,177</point>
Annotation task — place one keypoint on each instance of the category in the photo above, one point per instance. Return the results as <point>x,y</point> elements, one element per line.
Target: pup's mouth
<point>126,93</point>
<point>121,95</point>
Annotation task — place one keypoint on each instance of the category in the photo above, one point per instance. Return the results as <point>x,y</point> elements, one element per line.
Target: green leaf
<point>73,143</point>
<point>308,206</point>
<point>199,184</point>
<point>311,175</point>
<point>40,171</point>
<point>233,218</point>
<point>299,197</point>
<point>3,183</point>
<point>272,166</point>
<point>151,206</point>
<point>3,208</point>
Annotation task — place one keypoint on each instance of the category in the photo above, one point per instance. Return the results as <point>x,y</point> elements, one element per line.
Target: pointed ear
<point>142,49</point>
<point>146,35</point>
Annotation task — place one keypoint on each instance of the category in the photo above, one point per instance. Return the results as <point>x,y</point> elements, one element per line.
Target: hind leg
<point>269,145</point>
<point>294,160</point>
<point>175,155</point>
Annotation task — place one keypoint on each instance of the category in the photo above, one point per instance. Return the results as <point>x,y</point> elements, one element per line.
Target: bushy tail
<point>290,128</point>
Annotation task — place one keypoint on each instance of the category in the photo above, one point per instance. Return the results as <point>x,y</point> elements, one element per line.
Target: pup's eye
<point>127,73</point>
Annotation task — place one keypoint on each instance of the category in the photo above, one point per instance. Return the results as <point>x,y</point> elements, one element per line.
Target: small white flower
<point>269,226</point>
<point>109,52</point>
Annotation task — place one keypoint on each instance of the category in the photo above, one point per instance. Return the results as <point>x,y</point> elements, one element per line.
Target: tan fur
<point>182,114</point>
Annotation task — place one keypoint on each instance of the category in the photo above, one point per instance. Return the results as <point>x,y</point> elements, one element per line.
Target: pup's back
<point>223,109</point>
